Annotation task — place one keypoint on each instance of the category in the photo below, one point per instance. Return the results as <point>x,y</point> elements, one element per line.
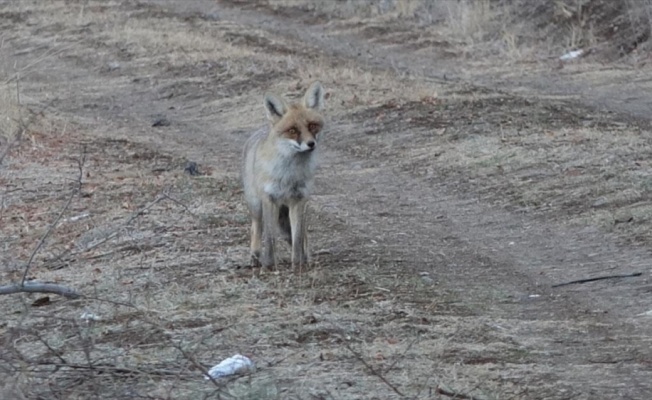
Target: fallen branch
<point>599,278</point>
<point>455,395</point>
<point>37,287</point>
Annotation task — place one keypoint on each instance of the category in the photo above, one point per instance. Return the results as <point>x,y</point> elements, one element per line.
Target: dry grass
<point>520,31</point>
<point>11,113</point>
<point>165,284</point>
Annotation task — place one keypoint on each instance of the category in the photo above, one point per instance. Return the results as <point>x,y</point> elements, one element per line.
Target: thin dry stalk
<point>371,369</point>
<point>113,233</point>
<point>75,191</point>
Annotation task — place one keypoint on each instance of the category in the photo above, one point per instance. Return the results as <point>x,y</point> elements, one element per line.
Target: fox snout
<point>308,146</point>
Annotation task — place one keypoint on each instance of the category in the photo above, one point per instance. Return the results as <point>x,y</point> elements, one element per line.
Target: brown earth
<point>454,192</point>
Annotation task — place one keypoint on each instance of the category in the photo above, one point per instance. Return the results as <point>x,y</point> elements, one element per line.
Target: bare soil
<point>454,193</point>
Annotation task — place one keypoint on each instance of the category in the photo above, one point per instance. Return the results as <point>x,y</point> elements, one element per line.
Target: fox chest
<point>289,181</point>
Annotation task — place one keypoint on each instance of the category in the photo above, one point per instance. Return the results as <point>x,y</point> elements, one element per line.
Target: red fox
<point>278,173</point>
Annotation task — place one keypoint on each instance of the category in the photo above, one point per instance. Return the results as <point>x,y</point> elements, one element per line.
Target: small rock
<point>600,202</point>
<point>211,16</point>
<point>41,301</point>
<point>113,65</point>
<point>191,168</point>
<point>623,217</point>
<point>161,121</point>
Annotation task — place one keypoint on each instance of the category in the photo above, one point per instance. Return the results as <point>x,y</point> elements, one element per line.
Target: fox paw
<point>255,260</point>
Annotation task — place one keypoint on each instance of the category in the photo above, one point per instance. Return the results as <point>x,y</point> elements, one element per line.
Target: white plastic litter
<point>571,55</point>
<point>89,316</point>
<point>237,364</point>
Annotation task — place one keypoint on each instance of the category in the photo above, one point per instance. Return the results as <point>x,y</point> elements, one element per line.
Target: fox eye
<point>292,131</point>
<point>313,127</point>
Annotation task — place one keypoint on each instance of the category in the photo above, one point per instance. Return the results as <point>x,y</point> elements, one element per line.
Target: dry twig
<point>599,278</point>
<point>111,234</point>
<point>371,369</point>
<point>455,395</point>
<point>37,287</point>
<point>75,191</point>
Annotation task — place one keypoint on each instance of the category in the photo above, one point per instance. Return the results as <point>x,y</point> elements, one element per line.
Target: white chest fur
<point>290,177</point>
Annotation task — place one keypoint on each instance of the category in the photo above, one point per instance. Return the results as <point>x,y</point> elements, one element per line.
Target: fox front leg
<point>270,222</point>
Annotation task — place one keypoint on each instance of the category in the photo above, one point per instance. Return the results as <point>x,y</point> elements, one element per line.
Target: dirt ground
<point>454,193</point>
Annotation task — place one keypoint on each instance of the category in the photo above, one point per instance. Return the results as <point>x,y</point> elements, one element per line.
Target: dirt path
<point>410,246</point>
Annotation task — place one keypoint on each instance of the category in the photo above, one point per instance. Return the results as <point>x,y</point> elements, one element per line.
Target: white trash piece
<point>571,55</point>
<point>89,316</point>
<point>237,364</point>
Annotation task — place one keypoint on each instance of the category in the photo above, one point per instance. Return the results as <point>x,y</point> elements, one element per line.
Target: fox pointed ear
<point>314,97</point>
<point>275,106</point>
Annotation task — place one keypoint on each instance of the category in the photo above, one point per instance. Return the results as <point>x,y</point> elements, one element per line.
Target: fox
<point>278,174</point>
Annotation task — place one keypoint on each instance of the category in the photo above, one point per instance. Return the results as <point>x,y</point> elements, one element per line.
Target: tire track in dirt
<point>463,245</point>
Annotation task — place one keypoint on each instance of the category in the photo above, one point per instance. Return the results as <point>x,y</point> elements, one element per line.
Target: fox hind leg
<point>298,229</point>
<point>284,224</point>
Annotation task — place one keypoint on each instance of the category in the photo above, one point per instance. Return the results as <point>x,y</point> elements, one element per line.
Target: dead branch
<point>75,191</point>
<point>599,278</point>
<point>129,220</point>
<point>397,359</point>
<point>455,395</point>
<point>111,234</point>
<point>172,199</point>
<point>371,369</point>
<point>37,287</point>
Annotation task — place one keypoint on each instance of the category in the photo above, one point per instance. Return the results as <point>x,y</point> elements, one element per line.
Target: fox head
<point>297,125</point>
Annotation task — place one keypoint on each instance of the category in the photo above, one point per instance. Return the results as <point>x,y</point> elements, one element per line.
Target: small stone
<point>113,65</point>
<point>161,121</point>
<point>623,217</point>
<point>600,202</point>
<point>191,168</point>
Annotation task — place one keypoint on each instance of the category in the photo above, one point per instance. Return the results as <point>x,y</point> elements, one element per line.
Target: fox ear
<point>314,97</point>
<point>275,106</point>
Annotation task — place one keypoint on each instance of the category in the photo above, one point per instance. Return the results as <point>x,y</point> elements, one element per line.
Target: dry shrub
<point>10,114</point>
